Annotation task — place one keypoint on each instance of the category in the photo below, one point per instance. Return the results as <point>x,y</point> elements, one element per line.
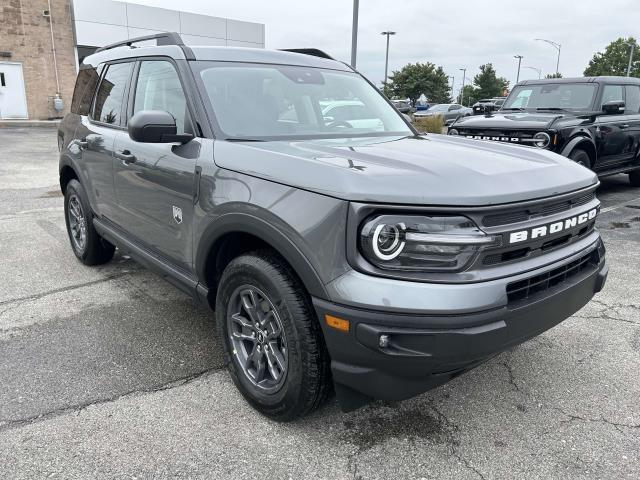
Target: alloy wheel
<point>77,223</point>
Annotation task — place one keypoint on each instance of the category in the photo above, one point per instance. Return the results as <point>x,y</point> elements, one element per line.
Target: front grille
<point>524,214</point>
<point>535,285</point>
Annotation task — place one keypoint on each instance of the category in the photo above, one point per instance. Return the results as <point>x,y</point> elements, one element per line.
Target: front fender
<point>574,142</point>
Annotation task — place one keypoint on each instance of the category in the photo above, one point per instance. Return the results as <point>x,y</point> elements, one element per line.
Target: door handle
<point>626,125</point>
<point>126,156</point>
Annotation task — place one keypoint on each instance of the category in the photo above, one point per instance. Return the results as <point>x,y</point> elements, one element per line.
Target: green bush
<point>432,124</point>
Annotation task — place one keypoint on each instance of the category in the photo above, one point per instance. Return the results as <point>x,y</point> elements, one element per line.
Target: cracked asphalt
<point>112,373</point>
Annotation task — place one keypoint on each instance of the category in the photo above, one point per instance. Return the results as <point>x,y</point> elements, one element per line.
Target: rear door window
<point>632,102</point>
<point>108,106</point>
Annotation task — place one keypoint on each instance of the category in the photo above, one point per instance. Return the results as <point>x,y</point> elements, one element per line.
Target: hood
<point>510,121</point>
<point>424,170</point>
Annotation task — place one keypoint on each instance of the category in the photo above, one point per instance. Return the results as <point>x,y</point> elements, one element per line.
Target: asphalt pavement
<point>111,372</point>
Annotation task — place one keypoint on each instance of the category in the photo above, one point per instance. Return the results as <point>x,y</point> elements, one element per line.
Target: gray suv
<point>338,254</point>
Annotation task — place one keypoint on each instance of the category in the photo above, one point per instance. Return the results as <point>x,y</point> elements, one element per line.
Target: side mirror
<point>614,107</point>
<point>155,126</point>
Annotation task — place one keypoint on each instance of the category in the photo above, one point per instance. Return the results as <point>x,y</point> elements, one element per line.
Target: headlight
<point>541,140</point>
<point>453,131</point>
<point>422,243</point>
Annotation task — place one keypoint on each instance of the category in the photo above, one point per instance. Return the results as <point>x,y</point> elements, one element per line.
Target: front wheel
<point>634,178</point>
<point>581,158</point>
<point>272,340</point>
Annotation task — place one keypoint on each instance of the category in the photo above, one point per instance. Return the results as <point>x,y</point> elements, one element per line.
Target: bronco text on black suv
<point>594,121</point>
<point>350,253</point>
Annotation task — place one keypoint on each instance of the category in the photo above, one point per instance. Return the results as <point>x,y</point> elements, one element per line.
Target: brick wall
<point>25,33</point>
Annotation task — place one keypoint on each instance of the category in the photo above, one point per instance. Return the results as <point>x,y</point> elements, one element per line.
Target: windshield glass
<point>258,101</point>
<point>565,96</point>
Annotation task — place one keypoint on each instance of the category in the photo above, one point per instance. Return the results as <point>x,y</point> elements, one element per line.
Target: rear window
<point>83,93</point>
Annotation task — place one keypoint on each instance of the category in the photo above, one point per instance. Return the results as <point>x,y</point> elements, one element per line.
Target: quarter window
<point>632,104</point>
<point>86,84</point>
<point>108,106</point>
<point>159,88</point>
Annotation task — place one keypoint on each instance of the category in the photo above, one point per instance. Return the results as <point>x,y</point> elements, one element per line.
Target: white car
<point>350,114</point>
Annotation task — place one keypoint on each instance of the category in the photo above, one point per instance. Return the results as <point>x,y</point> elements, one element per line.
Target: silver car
<point>450,112</point>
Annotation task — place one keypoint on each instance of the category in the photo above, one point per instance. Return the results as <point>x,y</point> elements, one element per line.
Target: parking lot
<point>111,372</point>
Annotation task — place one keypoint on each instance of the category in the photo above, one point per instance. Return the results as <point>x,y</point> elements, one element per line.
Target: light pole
<point>453,81</point>
<point>386,62</point>
<point>519,57</point>
<point>555,45</point>
<point>633,46</point>
<point>539,70</point>
<point>464,74</point>
<point>354,33</point>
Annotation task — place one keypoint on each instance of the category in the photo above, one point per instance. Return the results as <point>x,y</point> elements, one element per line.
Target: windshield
<point>564,96</point>
<point>272,102</point>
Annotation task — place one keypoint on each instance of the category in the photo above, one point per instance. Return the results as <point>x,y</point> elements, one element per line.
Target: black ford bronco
<point>594,121</point>
<point>339,252</point>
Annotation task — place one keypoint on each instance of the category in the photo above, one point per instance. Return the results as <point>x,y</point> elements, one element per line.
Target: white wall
<point>100,22</point>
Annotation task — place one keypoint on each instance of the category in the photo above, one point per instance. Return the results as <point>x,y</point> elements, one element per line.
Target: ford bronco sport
<point>342,255</point>
<point>595,121</point>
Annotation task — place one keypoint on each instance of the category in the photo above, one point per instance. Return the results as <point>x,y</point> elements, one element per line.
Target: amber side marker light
<point>337,323</point>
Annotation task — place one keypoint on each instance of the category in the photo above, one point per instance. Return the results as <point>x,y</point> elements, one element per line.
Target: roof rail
<point>162,39</point>
<point>314,52</point>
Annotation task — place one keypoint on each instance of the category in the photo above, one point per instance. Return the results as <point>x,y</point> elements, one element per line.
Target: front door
<point>13,100</point>
<point>616,135</point>
<point>155,182</point>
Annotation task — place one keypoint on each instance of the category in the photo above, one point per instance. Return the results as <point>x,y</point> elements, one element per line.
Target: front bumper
<point>423,351</point>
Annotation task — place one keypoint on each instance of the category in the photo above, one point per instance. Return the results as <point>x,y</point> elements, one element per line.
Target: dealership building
<point>42,43</point>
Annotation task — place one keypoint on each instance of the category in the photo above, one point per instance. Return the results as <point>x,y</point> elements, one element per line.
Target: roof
<point>603,79</point>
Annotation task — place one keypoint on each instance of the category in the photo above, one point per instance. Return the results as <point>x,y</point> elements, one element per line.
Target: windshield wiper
<point>554,109</point>
<point>513,108</point>
<point>232,139</point>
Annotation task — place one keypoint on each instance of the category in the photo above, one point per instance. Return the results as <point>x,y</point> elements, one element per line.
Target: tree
<point>553,75</point>
<point>415,79</point>
<point>486,84</point>
<point>615,59</point>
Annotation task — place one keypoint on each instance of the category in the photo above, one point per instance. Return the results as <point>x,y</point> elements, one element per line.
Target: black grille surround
<point>538,285</point>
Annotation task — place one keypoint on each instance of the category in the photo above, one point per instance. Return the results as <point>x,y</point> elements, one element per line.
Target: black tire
<point>307,383</point>
<point>581,157</point>
<point>634,178</point>
<point>94,250</point>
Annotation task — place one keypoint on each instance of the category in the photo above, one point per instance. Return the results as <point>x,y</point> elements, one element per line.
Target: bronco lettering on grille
<point>551,228</point>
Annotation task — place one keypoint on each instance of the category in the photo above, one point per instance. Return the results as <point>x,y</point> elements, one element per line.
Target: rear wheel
<point>634,178</point>
<point>86,243</point>
<point>272,340</point>
<point>580,157</point>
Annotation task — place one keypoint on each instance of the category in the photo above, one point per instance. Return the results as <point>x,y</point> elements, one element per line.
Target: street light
<point>354,33</point>
<point>633,46</point>
<point>519,57</point>
<point>386,62</point>
<point>453,81</point>
<point>464,73</point>
<point>555,45</point>
<point>539,70</point>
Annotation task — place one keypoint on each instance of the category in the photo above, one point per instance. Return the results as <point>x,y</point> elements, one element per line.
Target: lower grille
<point>529,287</point>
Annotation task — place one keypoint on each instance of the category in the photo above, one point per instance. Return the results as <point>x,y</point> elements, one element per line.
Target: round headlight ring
<point>453,131</point>
<point>387,241</point>
<point>541,140</point>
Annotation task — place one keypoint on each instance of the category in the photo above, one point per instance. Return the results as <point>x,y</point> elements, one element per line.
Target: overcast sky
<point>454,34</point>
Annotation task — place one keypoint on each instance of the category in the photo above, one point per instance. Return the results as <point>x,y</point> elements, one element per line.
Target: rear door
<point>632,111</point>
<point>155,182</point>
<point>97,131</point>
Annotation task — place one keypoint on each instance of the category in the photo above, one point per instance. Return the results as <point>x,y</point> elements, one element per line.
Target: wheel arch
<point>67,173</point>
<point>235,233</point>
<point>582,143</point>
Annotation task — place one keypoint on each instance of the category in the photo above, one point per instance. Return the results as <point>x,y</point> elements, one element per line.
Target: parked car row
<point>487,105</point>
<point>450,112</point>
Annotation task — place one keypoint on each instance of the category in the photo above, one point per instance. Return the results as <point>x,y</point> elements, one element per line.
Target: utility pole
<point>519,57</point>
<point>555,45</point>
<point>464,75</point>
<point>453,81</point>
<point>386,62</point>
<point>354,33</point>
<point>633,46</point>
